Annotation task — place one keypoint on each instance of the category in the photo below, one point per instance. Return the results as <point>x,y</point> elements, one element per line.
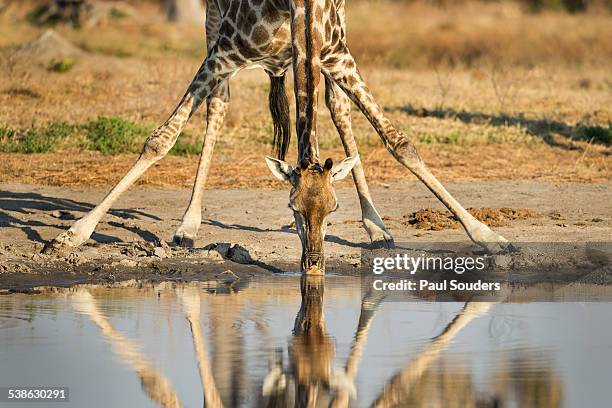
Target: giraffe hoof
<point>386,242</point>
<point>59,243</point>
<point>491,241</point>
<point>52,247</point>
<point>498,247</point>
<point>382,240</point>
<point>183,240</point>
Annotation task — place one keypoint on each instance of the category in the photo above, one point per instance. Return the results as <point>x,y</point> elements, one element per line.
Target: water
<point>154,345</point>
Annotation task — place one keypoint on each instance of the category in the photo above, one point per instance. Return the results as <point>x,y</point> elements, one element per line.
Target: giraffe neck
<point>306,39</point>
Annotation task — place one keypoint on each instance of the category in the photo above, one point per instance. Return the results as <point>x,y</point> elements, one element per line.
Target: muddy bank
<point>131,240</point>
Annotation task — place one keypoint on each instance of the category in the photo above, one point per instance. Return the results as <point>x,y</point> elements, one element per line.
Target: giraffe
<point>274,58</point>
<point>309,36</point>
<point>276,69</point>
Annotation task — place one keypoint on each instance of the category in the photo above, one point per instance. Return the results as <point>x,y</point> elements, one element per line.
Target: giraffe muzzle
<point>313,263</point>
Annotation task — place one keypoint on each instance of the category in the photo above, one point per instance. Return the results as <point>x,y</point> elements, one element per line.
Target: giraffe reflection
<point>155,384</point>
<point>157,387</point>
<point>418,384</point>
<point>401,386</point>
<point>190,299</point>
<point>309,377</point>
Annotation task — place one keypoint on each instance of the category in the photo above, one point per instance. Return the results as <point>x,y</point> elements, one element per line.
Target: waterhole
<point>281,341</point>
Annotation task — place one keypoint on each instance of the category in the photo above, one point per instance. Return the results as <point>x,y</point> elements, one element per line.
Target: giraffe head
<point>312,199</point>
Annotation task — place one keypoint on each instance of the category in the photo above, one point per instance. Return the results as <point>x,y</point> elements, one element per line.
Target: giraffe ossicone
<point>310,37</point>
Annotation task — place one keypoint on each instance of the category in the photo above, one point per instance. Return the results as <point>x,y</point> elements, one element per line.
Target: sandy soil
<point>130,242</point>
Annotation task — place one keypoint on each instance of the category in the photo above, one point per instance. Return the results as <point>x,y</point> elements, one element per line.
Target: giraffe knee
<point>405,152</point>
<point>217,107</point>
<point>159,143</point>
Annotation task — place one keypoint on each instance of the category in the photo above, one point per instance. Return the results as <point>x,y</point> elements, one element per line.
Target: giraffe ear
<point>342,169</point>
<point>280,169</point>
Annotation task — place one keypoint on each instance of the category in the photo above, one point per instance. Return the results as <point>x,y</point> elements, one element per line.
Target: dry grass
<point>248,170</point>
<point>474,33</point>
<point>516,109</point>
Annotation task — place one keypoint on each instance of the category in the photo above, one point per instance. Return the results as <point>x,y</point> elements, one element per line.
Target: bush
<point>113,135</point>
<point>108,135</point>
<point>34,140</point>
<point>62,66</point>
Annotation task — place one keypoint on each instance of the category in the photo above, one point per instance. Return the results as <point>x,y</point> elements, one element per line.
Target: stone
<point>502,261</point>
<point>128,263</point>
<point>227,277</point>
<point>240,254</point>
<point>160,252</point>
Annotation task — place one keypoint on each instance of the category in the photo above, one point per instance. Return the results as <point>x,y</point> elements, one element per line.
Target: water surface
<point>267,343</point>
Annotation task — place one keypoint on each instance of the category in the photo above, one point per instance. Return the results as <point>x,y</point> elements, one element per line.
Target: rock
<point>213,255</point>
<point>74,258</point>
<point>128,263</point>
<point>165,245</point>
<point>502,261</point>
<point>161,252</point>
<point>240,254</point>
<point>49,47</point>
<point>14,267</point>
<point>218,250</point>
<point>227,277</point>
<point>223,250</point>
<point>62,215</point>
<point>354,262</point>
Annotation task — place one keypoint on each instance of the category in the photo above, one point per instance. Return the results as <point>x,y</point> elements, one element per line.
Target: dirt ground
<point>130,242</point>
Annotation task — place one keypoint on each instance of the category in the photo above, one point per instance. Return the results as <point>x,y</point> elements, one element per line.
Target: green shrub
<point>113,135</point>
<point>62,66</point>
<point>117,14</point>
<point>427,139</point>
<point>34,140</point>
<point>7,137</point>
<point>182,148</point>
<point>451,138</point>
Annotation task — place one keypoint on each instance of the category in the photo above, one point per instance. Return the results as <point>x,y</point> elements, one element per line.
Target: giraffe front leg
<point>187,232</point>
<point>340,108</point>
<point>215,69</point>
<point>156,146</point>
<point>344,72</point>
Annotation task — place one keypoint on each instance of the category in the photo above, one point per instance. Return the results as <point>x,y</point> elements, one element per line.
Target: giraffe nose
<point>313,263</point>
